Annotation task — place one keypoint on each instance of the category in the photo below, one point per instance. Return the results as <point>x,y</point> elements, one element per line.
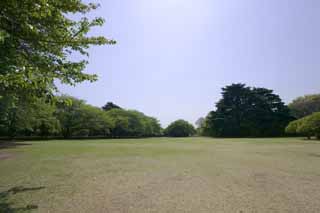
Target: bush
<point>180,128</point>
<point>292,127</point>
<point>308,126</point>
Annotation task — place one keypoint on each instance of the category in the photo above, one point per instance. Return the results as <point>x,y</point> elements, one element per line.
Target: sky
<point>172,57</point>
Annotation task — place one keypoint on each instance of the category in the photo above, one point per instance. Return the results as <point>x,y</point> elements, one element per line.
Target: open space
<point>161,175</point>
<point>168,106</point>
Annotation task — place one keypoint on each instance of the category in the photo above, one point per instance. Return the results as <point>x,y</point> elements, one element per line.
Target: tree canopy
<point>180,128</point>
<point>247,112</point>
<point>129,123</point>
<point>308,126</point>
<point>109,105</point>
<point>36,39</point>
<point>70,117</point>
<point>305,105</point>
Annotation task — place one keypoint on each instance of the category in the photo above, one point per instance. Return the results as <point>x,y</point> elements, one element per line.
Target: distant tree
<point>36,38</point>
<point>152,127</point>
<point>180,128</point>
<point>248,112</point>
<point>108,106</point>
<point>44,121</point>
<point>120,120</point>
<point>200,122</point>
<point>306,105</point>
<point>131,123</point>
<point>94,121</point>
<point>208,128</point>
<point>80,119</point>
<point>68,113</point>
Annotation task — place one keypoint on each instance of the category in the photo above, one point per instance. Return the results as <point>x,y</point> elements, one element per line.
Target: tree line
<point>71,117</point>
<point>241,112</point>
<point>35,51</point>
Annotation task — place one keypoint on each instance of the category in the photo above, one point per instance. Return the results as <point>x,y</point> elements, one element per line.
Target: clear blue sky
<point>173,56</point>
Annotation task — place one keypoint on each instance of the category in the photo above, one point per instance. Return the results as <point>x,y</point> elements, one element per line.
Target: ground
<point>161,175</point>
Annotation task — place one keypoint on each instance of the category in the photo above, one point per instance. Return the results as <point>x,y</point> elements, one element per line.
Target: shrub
<point>308,126</point>
<point>292,127</point>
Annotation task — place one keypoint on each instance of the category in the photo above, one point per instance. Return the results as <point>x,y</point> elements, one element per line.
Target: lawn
<point>161,175</point>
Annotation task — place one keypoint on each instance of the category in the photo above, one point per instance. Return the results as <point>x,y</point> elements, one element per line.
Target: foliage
<point>306,105</point>
<point>36,38</point>
<point>130,123</point>
<point>200,122</point>
<point>180,128</point>
<point>293,126</point>
<point>15,115</point>
<point>44,123</point>
<point>80,119</point>
<point>108,106</point>
<point>308,126</point>
<point>207,128</point>
<point>71,117</point>
<point>68,114</point>
<point>25,115</point>
<point>247,112</point>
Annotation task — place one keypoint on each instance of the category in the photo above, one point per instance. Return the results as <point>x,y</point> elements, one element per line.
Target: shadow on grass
<point>8,207</point>
<point>12,144</point>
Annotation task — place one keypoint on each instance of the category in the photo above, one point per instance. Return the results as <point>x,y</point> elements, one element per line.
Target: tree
<point>15,115</point>
<point>94,122</point>
<point>80,119</point>
<point>200,122</point>
<point>293,126</point>
<point>152,127</point>
<point>36,38</point>
<point>69,115</point>
<point>26,116</point>
<point>131,123</point>
<point>308,126</point>
<point>108,106</point>
<point>44,123</point>
<point>208,128</point>
<point>305,105</point>
<point>248,112</point>
<point>180,128</point>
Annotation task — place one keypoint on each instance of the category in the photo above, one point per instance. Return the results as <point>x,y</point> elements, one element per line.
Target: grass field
<point>161,175</point>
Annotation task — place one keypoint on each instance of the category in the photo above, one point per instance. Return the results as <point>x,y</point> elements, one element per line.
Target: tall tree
<point>305,105</point>
<point>36,38</point>
<point>244,111</point>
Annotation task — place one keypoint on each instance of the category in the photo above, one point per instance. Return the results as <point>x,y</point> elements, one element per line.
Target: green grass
<point>161,175</point>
